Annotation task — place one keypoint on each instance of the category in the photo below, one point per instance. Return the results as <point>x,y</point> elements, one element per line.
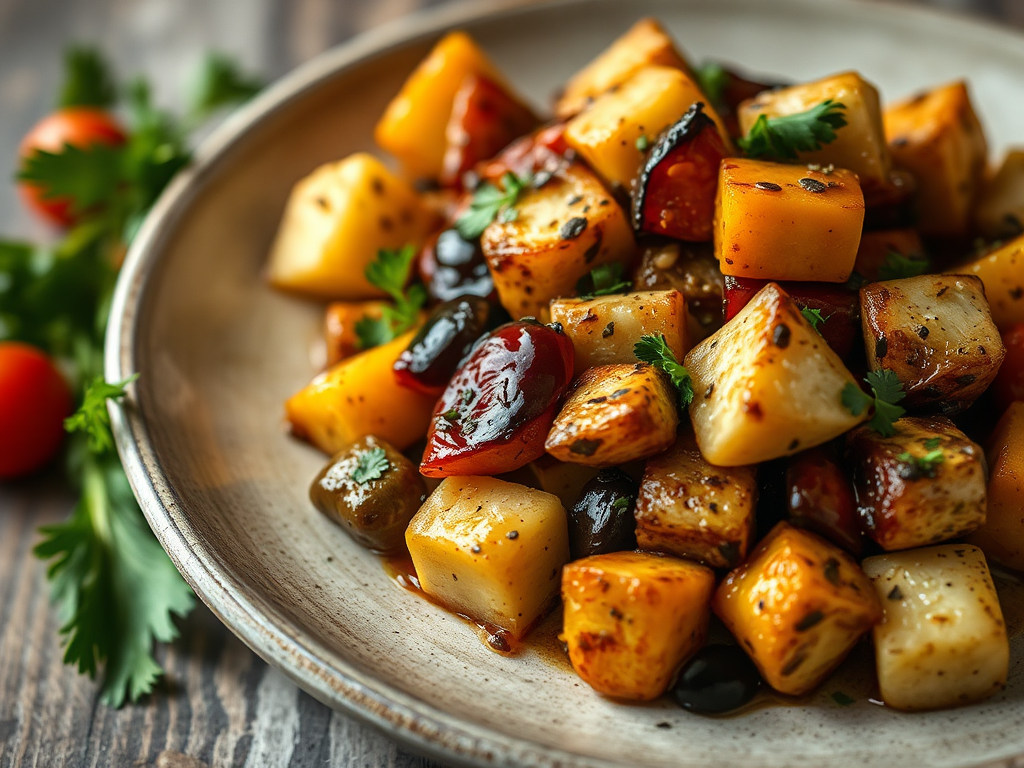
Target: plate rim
<point>417,725</point>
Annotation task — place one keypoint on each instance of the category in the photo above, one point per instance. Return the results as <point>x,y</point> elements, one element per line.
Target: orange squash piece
<point>1002,536</point>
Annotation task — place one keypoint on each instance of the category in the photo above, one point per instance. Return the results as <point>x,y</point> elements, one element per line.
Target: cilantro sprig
<point>784,137</point>
<point>886,391</point>
<point>371,466</point>
<point>490,202</point>
<point>655,350</point>
<point>814,317</point>
<point>391,272</point>
<point>604,280</point>
<point>897,266</point>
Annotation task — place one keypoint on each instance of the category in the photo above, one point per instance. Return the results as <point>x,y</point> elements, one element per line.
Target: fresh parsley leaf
<point>932,443</point>
<point>88,176</point>
<point>92,416</point>
<point>927,465</point>
<point>390,272</point>
<point>155,151</point>
<point>220,83</point>
<point>87,79</point>
<point>897,266</point>
<point>713,80</point>
<point>813,316</point>
<point>490,202</point>
<point>654,350</point>
<point>784,137</point>
<point>603,281</point>
<point>371,466</point>
<point>887,390</point>
<point>620,503</point>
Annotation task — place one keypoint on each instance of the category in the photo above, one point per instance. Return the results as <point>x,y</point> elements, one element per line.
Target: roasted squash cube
<point>360,396</point>
<point>922,485</point>
<point>490,550</point>
<point>1002,535</point>
<point>692,509</point>
<point>606,133</point>
<point>615,414</point>
<point>999,213</point>
<point>766,385</point>
<point>646,43</point>
<point>605,329</point>
<point>336,221</point>
<point>797,606</point>
<point>935,332</point>
<point>859,145</point>
<point>937,137</point>
<point>875,259</point>
<point>942,641</point>
<point>1002,273</point>
<point>564,229</point>
<point>631,620</point>
<point>785,222</point>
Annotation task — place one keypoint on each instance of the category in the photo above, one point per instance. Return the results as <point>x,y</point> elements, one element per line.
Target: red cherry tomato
<point>34,401</point>
<point>1009,383</point>
<point>77,126</point>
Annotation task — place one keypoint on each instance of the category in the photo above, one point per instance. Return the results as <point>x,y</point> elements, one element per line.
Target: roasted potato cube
<point>692,509</point>
<point>563,479</point>
<point>615,414</point>
<point>766,385</point>
<point>785,222</point>
<point>631,620</point>
<point>935,332</point>
<point>490,550</point>
<point>875,260</point>
<point>797,606</point>
<point>923,485</point>
<point>999,213</point>
<point>1002,535</point>
<point>1002,272</point>
<point>937,137</point>
<point>562,231</point>
<point>372,491</point>
<point>942,641</point>
<point>606,133</point>
<point>645,44</point>
<point>605,329</point>
<point>691,269</point>
<point>358,397</point>
<point>336,221</point>
<point>859,146</point>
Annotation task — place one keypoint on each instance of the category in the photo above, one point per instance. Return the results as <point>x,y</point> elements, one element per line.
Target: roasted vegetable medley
<point>696,344</point>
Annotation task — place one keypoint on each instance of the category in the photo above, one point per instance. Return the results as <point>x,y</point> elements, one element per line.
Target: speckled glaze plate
<point>225,489</point>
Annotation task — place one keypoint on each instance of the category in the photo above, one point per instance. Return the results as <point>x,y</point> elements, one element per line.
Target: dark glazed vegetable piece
<point>601,520</point>
<point>496,412</point>
<point>372,491</point>
<point>821,499</point>
<point>719,679</point>
<point>441,344</point>
<point>452,267</point>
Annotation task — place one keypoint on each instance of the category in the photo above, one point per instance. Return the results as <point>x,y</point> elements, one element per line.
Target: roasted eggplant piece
<point>820,498</point>
<point>718,679</point>
<point>690,268</point>
<point>601,520</point>
<point>452,267</point>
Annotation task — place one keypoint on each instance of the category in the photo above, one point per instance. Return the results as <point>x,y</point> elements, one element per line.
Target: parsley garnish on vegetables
<point>654,350</point>
<point>620,503</point>
<point>390,272</point>
<point>490,202</point>
<point>371,466</point>
<point>713,80</point>
<point>897,266</point>
<point>927,465</point>
<point>887,390</point>
<point>813,316</point>
<point>782,138</point>
<point>603,281</point>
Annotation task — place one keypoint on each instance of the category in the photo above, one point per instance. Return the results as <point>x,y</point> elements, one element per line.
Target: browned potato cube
<point>937,137</point>
<point>797,606</point>
<point>631,620</point>
<point>1000,210</point>
<point>564,229</point>
<point>923,485</point>
<point>692,509</point>
<point>615,414</point>
<point>605,329</point>
<point>1002,535</point>
<point>1002,272</point>
<point>935,332</point>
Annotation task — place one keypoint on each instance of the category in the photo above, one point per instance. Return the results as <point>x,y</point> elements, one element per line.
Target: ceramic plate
<point>225,489</point>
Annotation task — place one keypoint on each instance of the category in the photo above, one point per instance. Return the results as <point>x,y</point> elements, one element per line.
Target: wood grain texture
<point>219,705</point>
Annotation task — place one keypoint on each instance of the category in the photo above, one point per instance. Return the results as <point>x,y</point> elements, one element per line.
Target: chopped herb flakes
<point>490,202</point>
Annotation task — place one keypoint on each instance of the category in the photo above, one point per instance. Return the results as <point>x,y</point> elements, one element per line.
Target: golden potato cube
<point>358,397</point>
<point>937,137</point>
<point>1002,535</point>
<point>859,146</point>
<point>942,641</point>
<point>646,43</point>
<point>336,221</point>
<point>631,619</point>
<point>797,606</point>
<point>562,231</point>
<point>615,414</point>
<point>563,479</point>
<point>605,133</point>
<point>935,332</point>
<point>413,125</point>
<point>1002,272</point>
<point>907,500</point>
<point>490,550</point>
<point>766,385</point>
<point>605,329</point>
<point>692,509</point>
<point>999,213</point>
<point>785,222</point>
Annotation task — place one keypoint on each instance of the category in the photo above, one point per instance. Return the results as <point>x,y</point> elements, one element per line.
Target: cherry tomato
<point>78,126</point>
<point>1009,383</point>
<point>34,401</point>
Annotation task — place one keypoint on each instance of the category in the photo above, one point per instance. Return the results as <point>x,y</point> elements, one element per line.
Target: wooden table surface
<point>219,704</point>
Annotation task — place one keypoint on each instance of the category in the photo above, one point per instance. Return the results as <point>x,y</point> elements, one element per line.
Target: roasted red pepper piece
<point>498,408</point>
<point>821,499</point>
<point>542,152</point>
<point>675,193</point>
